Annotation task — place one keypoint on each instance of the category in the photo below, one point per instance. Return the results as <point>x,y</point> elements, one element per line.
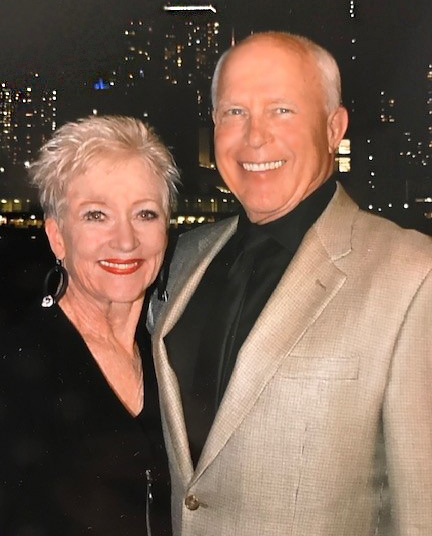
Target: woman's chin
<point>122,297</point>
<point>102,298</point>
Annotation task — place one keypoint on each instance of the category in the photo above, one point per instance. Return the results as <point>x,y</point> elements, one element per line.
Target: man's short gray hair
<point>326,63</point>
<point>75,146</point>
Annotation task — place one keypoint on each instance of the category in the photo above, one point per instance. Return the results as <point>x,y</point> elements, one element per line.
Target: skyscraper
<point>27,117</point>
<point>191,50</point>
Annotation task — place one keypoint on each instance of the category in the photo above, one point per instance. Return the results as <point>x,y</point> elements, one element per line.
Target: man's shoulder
<point>195,236</point>
<point>192,246</point>
<point>372,233</point>
<point>192,243</point>
<point>391,238</point>
<point>391,253</point>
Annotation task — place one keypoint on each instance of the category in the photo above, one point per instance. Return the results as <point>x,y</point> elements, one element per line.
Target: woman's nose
<point>124,236</point>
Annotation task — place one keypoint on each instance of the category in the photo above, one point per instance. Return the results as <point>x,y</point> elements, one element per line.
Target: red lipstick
<point>121,266</point>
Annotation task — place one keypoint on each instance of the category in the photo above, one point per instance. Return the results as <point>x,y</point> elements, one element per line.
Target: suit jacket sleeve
<point>407,416</point>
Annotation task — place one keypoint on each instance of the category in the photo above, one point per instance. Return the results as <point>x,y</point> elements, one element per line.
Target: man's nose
<point>258,133</point>
<point>124,237</point>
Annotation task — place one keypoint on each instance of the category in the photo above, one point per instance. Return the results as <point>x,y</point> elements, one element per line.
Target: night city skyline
<point>133,58</point>
<point>182,363</point>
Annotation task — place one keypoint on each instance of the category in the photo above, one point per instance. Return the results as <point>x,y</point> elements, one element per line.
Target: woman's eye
<point>147,214</point>
<point>94,215</point>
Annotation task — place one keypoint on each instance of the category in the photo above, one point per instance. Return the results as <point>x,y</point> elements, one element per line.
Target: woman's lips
<point>121,266</point>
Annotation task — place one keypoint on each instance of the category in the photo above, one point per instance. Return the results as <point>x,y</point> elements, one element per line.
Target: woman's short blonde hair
<point>75,146</point>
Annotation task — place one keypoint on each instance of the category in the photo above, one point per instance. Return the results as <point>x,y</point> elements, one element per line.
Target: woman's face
<point>112,236</point>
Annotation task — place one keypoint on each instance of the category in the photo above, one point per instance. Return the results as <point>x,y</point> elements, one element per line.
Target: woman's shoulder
<point>34,345</point>
<point>22,335</point>
<point>24,350</point>
<point>36,324</point>
<point>30,318</point>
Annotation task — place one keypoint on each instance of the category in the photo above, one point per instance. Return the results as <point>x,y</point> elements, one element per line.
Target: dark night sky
<point>68,40</point>
<point>74,40</point>
<point>57,35</point>
<point>80,35</point>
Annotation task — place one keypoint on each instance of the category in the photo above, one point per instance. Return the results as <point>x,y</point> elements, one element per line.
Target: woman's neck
<point>108,329</point>
<point>102,320</point>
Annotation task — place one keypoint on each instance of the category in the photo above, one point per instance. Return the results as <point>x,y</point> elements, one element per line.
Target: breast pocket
<point>320,368</point>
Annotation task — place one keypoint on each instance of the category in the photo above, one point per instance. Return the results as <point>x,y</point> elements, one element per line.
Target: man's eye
<point>147,214</point>
<point>234,111</point>
<point>94,215</point>
<point>282,110</point>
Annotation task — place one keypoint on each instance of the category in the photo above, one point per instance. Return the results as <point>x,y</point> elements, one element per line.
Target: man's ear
<point>55,238</point>
<point>336,127</point>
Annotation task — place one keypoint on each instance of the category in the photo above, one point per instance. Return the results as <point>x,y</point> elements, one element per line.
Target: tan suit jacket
<point>331,395</point>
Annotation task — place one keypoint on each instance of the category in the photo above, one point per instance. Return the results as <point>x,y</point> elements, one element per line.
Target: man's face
<point>274,139</point>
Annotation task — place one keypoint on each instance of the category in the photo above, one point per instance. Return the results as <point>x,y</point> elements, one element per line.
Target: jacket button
<point>192,502</point>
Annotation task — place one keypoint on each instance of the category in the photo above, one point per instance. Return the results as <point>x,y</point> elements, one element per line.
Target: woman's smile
<point>121,266</point>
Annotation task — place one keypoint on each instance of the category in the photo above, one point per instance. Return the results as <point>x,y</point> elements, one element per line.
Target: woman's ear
<point>336,128</point>
<point>55,238</point>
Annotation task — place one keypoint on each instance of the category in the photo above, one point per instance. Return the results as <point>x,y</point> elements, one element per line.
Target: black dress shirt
<point>204,344</point>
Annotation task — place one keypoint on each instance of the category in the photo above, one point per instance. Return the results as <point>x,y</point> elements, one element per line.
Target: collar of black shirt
<point>290,229</point>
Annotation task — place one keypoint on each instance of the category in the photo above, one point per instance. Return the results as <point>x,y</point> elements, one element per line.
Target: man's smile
<point>263,166</point>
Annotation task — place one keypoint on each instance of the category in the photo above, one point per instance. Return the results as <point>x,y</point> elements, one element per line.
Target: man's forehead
<point>257,60</point>
<point>264,50</point>
<point>269,44</point>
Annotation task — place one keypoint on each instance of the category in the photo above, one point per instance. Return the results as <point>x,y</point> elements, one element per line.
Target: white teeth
<point>118,266</point>
<point>263,166</point>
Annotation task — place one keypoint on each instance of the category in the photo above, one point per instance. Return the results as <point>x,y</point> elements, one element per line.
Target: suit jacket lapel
<point>309,284</point>
<point>183,286</point>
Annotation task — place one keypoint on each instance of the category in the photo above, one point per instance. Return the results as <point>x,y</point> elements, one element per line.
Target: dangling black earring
<point>61,274</point>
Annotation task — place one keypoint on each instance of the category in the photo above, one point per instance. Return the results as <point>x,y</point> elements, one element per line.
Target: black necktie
<point>232,303</point>
<point>218,345</point>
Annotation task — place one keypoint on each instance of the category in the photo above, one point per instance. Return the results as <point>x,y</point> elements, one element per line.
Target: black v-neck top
<point>73,460</point>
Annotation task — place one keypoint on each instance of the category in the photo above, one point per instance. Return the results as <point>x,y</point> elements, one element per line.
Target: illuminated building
<point>166,72</point>
<point>429,106</point>
<point>185,57</point>
<point>191,50</point>
<point>417,155</point>
<point>389,157</point>
<point>141,57</point>
<point>387,108</point>
<point>195,209</point>
<point>343,156</point>
<point>27,118</point>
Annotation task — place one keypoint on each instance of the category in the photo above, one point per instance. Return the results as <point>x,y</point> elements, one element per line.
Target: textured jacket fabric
<point>326,424</point>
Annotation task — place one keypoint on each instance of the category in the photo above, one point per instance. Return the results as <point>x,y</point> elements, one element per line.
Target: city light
<point>387,158</point>
<point>190,8</point>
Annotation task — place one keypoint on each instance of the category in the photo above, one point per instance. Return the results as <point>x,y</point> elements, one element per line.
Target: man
<point>294,355</point>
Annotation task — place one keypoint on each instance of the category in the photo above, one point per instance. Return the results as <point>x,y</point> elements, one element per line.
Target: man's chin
<point>266,212</point>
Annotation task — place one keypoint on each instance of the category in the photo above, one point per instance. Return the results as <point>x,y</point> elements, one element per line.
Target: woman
<point>77,383</point>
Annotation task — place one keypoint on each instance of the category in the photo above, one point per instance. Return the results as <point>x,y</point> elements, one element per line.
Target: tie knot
<point>248,250</point>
